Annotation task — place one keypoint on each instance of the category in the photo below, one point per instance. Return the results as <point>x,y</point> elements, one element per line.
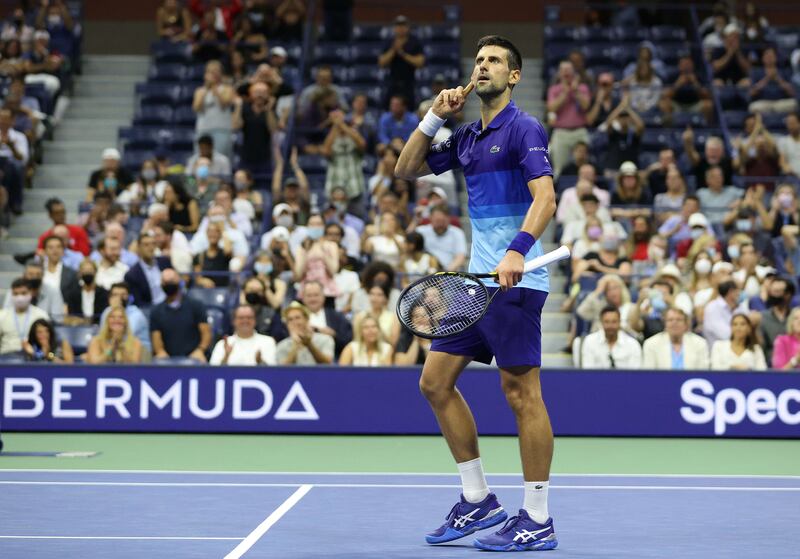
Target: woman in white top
<point>213,102</point>
<point>368,349</point>
<point>379,310</point>
<point>741,352</point>
<point>416,262</point>
<point>388,244</point>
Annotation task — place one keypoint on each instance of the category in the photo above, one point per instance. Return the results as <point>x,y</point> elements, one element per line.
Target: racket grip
<point>560,253</point>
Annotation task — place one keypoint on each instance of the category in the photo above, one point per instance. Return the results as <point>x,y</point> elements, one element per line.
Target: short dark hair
<point>145,235</point>
<point>206,139</point>
<point>665,283</point>
<point>441,208</point>
<point>788,284</point>
<point>166,227</point>
<point>416,240</point>
<point>244,306</point>
<point>336,225</point>
<point>52,203</point>
<point>514,58</point>
<point>726,287</point>
<point>49,238</point>
<point>121,285</point>
<point>609,308</point>
<point>20,282</point>
<point>691,197</point>
<point>590,198</point>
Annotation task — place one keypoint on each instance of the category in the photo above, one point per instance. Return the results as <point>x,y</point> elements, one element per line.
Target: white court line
<point>392,486</point>
<point>451,474</point>
<point>188,538</point>
<point>268,522</point>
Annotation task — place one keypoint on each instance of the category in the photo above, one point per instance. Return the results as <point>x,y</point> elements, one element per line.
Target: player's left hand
<point>509,271</point>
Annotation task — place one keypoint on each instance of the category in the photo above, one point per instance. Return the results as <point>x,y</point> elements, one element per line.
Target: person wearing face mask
<point>701,237</point>
<point>700,274</point>
<point>54,16</point>
<point>45,296</point>
<point>569,205</point>
<point>86,306</point>
<point>283,218</point>
<point>111,177</point>
<point>589,241</point>
<point>148,188</point>
<point>317,259</point>
<point>783,210</point>
<point>218,163</point>
<point>590,208</point>
<point>607,260</point>
<point>266,296</point>
<point>646,317</point>
<point>16,322</point>
<point>178,326</point>
<point>202,185</point>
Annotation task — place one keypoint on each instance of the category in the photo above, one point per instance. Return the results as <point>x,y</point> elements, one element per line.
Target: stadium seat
<point>441,53</point>
<point>166,72</point>
<point>218,321</point>
<point>312,164</point>
<point>332,53</point>
<point>364,74</point>
<point>184,116</point>
<point>166,52</point>
<point>156,114</point>
<point>440,33</point>
<point>664,33</point>
<point>77,336</point>
<point>218,297</point>
<point>373,33</point>
<point>731,97</point>
<point>366,53</point>
<point>182,139</point>
<point>559,33</point>
<point>177,360</point>
<point>157,93</point>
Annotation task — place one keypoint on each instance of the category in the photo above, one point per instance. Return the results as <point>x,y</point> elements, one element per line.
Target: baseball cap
<point>280,233</point>
<point>628,168</point>
<point>730,28</point>
<point>41,34</point>
<point>401,20</point>
<point>280,208</point>
<point>698,220</point>
<point>439,191</point>
<point>279,51</point>
<point>291,181</point>
<point>670,270</point>
<point>111,153</point>
<point>722,266</point>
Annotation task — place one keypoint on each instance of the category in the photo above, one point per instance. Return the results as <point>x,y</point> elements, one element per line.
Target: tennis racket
<point>447,303</point>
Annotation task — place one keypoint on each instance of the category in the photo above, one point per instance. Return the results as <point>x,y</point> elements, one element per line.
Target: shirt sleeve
<point>443,156</point>
<point>533,150</point>
<point>385,129</point>
<point>155,321</point>
<point>217,354</point>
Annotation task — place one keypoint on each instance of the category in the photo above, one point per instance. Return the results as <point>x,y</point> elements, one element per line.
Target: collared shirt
<point>125,256</point>
<point>677,357</point>
<point>220,164</point>
<point>72,259</point>
<point>244,350</point>
<point>109,275</point>
<point>596,353</point>
<point>570,114</point>
<point>444,247</point>
<point>389,128</point>
<point>153,274</point>
<point>498,163</point>
<point>317,319</point>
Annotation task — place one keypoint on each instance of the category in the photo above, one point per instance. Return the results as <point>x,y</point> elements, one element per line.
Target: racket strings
<point>442,305</point>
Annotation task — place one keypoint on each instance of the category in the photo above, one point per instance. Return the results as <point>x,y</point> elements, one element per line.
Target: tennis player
<point>504,156</point>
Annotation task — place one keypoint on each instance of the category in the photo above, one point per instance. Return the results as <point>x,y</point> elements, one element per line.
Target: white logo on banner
<point>296,392</point>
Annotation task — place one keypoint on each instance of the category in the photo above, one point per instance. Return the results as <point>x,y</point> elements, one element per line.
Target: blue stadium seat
<point>451,73</point>
<point>157,114</point>
<point>366,53</point>
<point>195,73</point>
<point>670,54</point>
<point>218,321</point>
<point>15,357</point>
<point>665,33</point>
<point>184,116</point>
<point>178,360</point>
<point>682,120</point>
<point>182,139</point>
<point>157,93</point>
<point>77,336</point>
<point>140,138</point>
<point>370,33</point>
<point>442,53</point>
<point>166,72</point>
<point>440,33</point>
<point>654,140</point>
<point>332,53</point>
<point>364,73</point>
<point>313,163</point>
<point>133,159</point>
<point>594,34</point>
<point>166,52</point>
<point>341,72</point>
<point>731,97</point>
<point>185,94</point>
<point>629,34</point>
<point>218,297</point>
<point>559,33</point>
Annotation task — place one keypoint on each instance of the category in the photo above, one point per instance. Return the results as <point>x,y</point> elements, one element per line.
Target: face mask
<point>594,232</point>
<point>110,183</point>
<point>773,301</point>
<point>744,225</point>
<point>240,185</point>
<point>35,283</point>
<point>149,174</point>
<point>285,220</point>
<point>263,268</point>
<point>733,251</point>
<point>170,289</point>
<point>702,267</point>
<point>253,298</point>
<point>53,20</point>
<point>616,125</point>
<point>610,245</point>
<point>21,302</point>
<point>202,172</point>
<point>87,279</point>
<point>315,233</point>
<point>696,233</point>
<point>655,253</point>
<point>657,300</point>
<point>785,200</point>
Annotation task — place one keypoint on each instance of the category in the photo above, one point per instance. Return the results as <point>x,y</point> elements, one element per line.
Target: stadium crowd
<point>284,238</point>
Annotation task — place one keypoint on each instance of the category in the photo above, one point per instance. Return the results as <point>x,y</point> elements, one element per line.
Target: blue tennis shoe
<point>520,533</point>
<point>466,518</point>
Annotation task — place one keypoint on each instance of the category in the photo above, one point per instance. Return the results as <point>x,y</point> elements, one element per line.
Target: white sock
<point>536,500</point>
<point>473,480</point>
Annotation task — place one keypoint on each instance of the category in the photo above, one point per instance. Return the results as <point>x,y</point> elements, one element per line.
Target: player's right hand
<point>451,101</point>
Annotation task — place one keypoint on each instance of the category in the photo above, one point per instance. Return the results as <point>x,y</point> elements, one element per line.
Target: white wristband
<point>430,124</point>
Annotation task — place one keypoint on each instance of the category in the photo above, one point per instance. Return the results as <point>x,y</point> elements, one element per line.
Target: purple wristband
<point>522,243</point>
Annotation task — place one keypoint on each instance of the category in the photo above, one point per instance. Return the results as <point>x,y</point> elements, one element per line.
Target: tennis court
<point>292,497</point>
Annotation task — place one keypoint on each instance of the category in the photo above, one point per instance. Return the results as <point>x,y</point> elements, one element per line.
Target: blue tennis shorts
<point>510,331</point>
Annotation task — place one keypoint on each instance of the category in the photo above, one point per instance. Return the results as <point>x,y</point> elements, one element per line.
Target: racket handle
<point>560,253</point>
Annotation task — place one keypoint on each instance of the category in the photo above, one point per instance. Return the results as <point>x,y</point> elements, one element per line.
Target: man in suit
<point>57,275</point>
<point>144,278</point>
<point>676,348</point>
<point>326,320</point>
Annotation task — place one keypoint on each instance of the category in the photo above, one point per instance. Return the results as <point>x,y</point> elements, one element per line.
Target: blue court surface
<point>120,514</point>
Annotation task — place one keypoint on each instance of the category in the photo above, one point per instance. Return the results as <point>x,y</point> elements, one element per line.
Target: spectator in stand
<point>184,211</point>
<point>78,239</point>
<point>580,156</point>
<point>579,64</point>
<point>368,349</point>
<point>397,122</point>
<point>173,245</point>
<point>656,172</point>
<point>728,63</point>
<point>317,259</point>
<point>347,281</point>
<point>42,345</point>
<point>86,306</point>
<point>324,318</point>
<point>676,348</point>
<point>387,245</point>
<point>375,273</point>
<point>714,154</point>
<point>610,347</point>
<point>717,314</point>
<point>611,291</point>
<point>323,83</point>
<point>173,21</point>
<point>342,235</point>
<point>178,325</point>
<point>42,66</point>
<point>148,187</point>
<point>774,321</point>
<point>246,346</point>
<point>144,277</point>
<point>266,298</point>
<point>111,269</point>
<point>570,208</point>
<point>789,146</point>
<point>590,208</point>
<point>120,296</point>
<point>257,121</point>
<point>716,198</point>
<point>411,349</point>
<point>771,93</point>
<point>379,310</point>
<point>57,276</point>
<point>403,56</point>
<point>15,28</point>
<point>631,191</point>
<point>115,342</point>
<point>295,192</point>
<point>219,165</point>
<point>759,155</point>
<point>608,260</point>
<point>71,258</point>
<point>363,120</point>
<point>111,177</point>
<point>343,214</point>
<point>223,200</point>
<point>14,157</point>
<point>246,193</point>
<point>603,102</point>
<point>784,210</point>
<point>687,94</point>
<point>213,103</point>
<point>444,241</point>
<point>568,100</point>
<point>678,227</point>
<point>250,41</point>
<point>754,25</point>
<point>646,54</point>
<point>240,248</point>
<point>17,320</point>
<point>416,262</point>
<point>644,86</point>
<point>669,203</point>
<point>787,346</point>
<point>303,346</point>
<point>741,352</point>
<point>624,128</point>
<point>290,16</point>
<point>44,296</point>
<point>212,264</point>
<point>209,41</point>
<point>113,230</point>
<point>344,148</point>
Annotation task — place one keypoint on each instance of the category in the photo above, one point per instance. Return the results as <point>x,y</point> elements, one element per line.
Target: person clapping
<point>115,343</point>
<point>246,346</point>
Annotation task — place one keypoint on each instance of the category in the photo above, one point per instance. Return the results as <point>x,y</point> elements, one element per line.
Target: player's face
<point>492,73</point>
